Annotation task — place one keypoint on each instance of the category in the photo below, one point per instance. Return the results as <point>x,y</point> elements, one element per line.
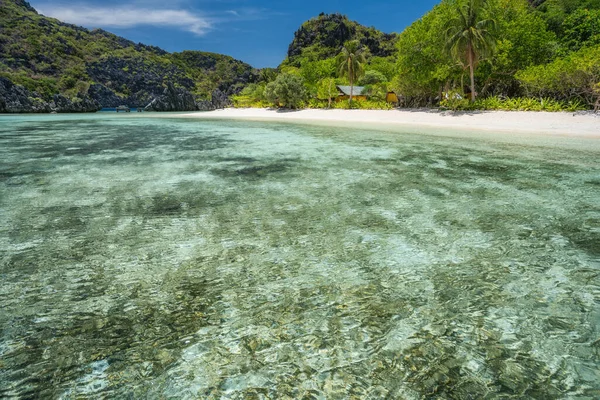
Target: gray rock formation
<point>204,105</point>
<point>83,104</point>
<point>25,5</point>
<point>173,99</point>
<point>220,99</point>
<point>105,96</point>
<point>17,99</point>
<point>143,81</point>
<point>177,99</point>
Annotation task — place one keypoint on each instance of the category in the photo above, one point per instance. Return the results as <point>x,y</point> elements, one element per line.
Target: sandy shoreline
<point>543,123</point>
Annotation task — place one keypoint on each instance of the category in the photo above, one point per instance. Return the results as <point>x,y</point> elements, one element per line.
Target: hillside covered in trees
<point>536,55</point>
<point>312,58</point>
<point>323,36</point>
<point>47,56</point>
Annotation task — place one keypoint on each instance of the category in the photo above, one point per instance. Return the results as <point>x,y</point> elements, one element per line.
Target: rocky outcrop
<point>17,99</point>
<point>327,33</point>
<point>25,5</point>
<point>105,96</point>
<point>82,104</point>
<point>218,100</point>
<point>143,82</point>
<point>139,79</point>
<point>173,99</point>
<point>204,105</point>
<point>178,99</point>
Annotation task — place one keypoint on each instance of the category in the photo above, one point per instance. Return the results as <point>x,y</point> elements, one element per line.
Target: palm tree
<point>470,35</point>
<point>350,62</point>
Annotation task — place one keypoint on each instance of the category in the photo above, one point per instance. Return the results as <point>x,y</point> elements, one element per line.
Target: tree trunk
<point>472,72</point>
<point>351,89</point>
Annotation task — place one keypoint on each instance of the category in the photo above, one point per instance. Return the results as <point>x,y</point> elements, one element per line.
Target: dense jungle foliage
<point>534,55</point>
<point>48,57</point>
<point>547,51</point>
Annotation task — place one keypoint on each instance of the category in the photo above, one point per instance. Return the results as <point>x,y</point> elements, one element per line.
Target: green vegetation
<point>504,54</point>
<point>546,51</point>
<point>556,12</point>
<point>314,55</point>
<point>322,37</point>
<point>252,96</point>
<point>286,91</point>
<point>48,56</point>
<point>327,90</point>
<point>511,104</point>
<point>351,62</point>
<point>532,57</point>
<point>575,76</point>
<point>471,36</point>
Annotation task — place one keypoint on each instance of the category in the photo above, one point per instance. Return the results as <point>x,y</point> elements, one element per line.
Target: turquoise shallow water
<point>164,258</point>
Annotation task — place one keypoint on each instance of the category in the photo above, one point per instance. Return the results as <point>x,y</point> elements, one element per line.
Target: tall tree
<point>423,67</point>
<point>326,90</point>
<point>286,90</point>
<point>351,62</point>
<point>470,36</point>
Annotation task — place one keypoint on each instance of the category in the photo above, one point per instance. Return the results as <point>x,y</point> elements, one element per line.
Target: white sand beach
<point>542,123</point>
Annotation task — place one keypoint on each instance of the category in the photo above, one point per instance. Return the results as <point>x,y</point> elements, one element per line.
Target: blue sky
<point>257,32</point>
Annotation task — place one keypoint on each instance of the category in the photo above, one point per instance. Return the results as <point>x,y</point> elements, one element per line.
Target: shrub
<point>568,78</point>
<point>240,101</point>
<point>286,91</point>
<point>372,77</point>
<point>512,104</point>
<point>363,105</point>
<point>317,104</point>
<point>326,89</point>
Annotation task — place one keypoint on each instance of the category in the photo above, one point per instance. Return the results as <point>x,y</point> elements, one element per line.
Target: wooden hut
<point>357,93</point>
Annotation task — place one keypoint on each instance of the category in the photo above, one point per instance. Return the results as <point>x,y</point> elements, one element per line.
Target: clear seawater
<point>114,110</point>
<point>186,259</point>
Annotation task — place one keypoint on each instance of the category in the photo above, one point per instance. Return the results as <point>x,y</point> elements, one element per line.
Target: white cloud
<point>129,17</point>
